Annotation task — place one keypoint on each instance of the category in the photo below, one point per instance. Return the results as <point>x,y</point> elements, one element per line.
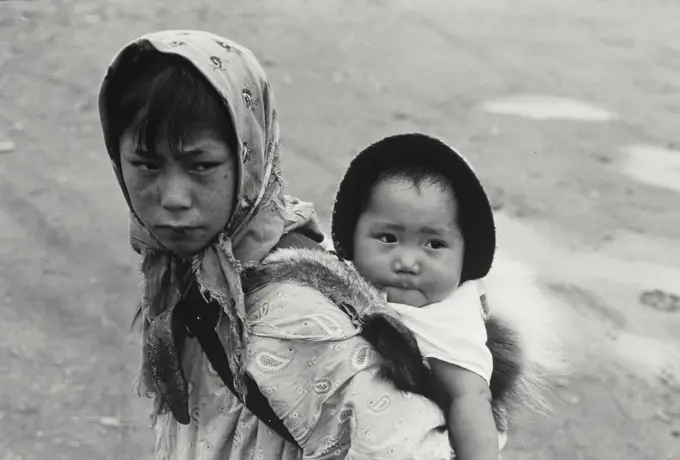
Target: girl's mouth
<point>177,232</point>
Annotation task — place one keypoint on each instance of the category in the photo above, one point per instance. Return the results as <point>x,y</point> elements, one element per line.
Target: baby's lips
<point>405,284</point>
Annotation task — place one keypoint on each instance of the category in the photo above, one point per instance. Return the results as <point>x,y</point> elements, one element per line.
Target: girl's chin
<point>184,246</point>
<point>184,251</point>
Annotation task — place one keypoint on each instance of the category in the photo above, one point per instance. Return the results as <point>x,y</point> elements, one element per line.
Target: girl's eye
<point>203,167</point>
<point>436,245</point>
<point>145,165</point>
<point>386,238</point>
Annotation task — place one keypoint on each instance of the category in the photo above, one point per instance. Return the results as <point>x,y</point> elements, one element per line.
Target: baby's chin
<point>414,297</point>
<point>411,297</point>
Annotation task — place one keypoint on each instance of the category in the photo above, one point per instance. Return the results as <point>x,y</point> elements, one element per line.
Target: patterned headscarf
<point>262,213</point>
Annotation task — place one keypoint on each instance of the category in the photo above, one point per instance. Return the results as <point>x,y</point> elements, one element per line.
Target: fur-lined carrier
<point>520,334</point>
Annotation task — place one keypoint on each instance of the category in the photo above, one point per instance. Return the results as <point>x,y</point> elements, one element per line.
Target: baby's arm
<point>472,428</point>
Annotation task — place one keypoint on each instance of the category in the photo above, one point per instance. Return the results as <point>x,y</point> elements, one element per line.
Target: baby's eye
<point>436,245</point>
<point>386,238</point>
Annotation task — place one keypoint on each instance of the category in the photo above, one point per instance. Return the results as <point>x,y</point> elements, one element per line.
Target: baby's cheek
<point>370,264</point>
<point>444,283</point>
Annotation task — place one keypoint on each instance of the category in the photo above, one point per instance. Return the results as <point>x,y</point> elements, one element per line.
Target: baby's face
<point>407,241</point>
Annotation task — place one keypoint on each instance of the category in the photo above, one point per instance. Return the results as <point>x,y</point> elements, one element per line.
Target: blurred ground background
<point>589,204</point>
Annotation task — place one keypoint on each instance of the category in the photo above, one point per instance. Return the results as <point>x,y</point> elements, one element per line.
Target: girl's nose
<point>175,192</point>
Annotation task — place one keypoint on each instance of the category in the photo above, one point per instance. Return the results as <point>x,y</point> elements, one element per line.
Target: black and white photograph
<point>339,229</point>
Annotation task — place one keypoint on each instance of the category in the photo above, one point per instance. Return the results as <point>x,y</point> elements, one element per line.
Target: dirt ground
<point>347,72</point>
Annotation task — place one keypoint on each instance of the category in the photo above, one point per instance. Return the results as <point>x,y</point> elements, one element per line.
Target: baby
<point>414,219</point>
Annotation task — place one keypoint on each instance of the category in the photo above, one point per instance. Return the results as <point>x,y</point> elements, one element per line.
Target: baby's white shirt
<point>453,329</point>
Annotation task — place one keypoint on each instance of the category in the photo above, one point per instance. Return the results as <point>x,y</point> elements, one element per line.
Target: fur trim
<point>320,270</point>
<point>517,300</point>
<point>520,338</point>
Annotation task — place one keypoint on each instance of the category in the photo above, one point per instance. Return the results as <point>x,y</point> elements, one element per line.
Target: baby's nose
<point>407,263</point>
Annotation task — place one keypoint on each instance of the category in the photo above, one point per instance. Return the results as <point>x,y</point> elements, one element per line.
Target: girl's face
<point>408,243</point>
<point>185,199</point>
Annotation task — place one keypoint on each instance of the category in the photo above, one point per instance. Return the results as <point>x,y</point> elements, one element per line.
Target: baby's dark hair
<point>419,159</point>
<point>162,95</point>
<point>416,174</point>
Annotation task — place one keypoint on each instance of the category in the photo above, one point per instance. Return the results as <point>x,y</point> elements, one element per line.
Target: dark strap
<point>203,328</point>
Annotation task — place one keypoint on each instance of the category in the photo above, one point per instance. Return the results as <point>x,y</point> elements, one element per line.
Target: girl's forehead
<point>189,140</point>
<point>187,134</point>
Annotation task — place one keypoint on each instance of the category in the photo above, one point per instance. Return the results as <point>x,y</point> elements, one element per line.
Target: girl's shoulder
<point>288,296</point>
<point>316,275</point>
<point>286,310</point>
<point>294,288</point>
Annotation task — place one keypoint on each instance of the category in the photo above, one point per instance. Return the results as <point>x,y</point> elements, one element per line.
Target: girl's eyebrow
<point>197,148</point>
<point>193,152</point>
<point>142,152</point>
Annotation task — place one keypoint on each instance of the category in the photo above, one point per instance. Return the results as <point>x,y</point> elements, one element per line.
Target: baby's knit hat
<point>423,152</point>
